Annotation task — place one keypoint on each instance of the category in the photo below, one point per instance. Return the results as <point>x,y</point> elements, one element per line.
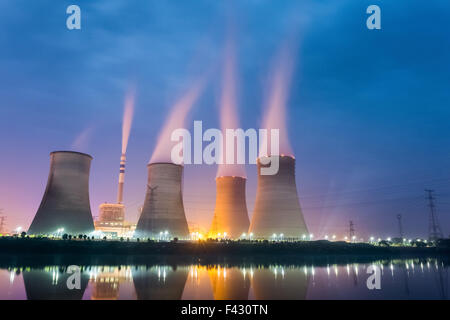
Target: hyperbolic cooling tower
<point>160,283</point>
<point>230,214</point>
<point>163,207</point>
<point>66,200</point>
<point>51,284</point>
<point>277,208</point>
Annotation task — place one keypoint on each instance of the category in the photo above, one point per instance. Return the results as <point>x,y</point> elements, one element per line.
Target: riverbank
<point>117,252</point>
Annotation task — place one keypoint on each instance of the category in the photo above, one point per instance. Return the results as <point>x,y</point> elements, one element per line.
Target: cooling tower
<point>277,208</point>
<point>163,207</point>
<point>66,200</point>
<point>229,283</point>
<point>280,283</point>
<point>230,214</point>
<point>51,284</point>
<point>160,283</point>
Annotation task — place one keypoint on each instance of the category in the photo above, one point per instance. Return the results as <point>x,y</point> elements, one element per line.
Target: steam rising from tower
<point>176,120</point>
<point>230,214</point>
<point>126,128</point>
<point>275,109</point>
<point>228,110</point>
<point>163,215</point>
<point>277,211</point>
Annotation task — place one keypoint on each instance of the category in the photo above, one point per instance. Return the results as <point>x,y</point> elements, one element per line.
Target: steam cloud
<point>82,140</point>
<point>176,120</point>
<point>127,119</point>
<point>228,110</point>
<point>276,109</point>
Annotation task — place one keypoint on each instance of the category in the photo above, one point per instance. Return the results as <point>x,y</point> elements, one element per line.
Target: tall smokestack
<point>230,214</point>
<point>128,113</point>
<point>121,179</point>
<point>66,200</point>
<point>163,207</point>
<point>277,208</point>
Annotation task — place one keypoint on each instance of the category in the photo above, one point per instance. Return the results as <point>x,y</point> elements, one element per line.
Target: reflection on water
<point>400,279</point>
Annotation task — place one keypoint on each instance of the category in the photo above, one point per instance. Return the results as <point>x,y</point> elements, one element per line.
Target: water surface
<point>400,279</point>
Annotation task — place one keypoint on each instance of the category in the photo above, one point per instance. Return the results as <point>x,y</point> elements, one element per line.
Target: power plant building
<point>230,214</point>
<point>65,205</point>
<point>277,213</point>
<point>163,215</point>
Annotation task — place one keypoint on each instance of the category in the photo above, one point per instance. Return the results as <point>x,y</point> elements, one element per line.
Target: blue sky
<point>368,110</point>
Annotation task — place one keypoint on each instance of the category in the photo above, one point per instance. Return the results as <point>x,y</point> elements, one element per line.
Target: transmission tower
<point>2,221</point>
<point>434,230</point>
<point>351,231</point>
<point>400,227</point>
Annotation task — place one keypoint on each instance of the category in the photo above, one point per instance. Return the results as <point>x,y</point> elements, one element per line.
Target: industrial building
<point>277,213</point>
<point>163,215</point>
<point>111,222</point>
<point>65,206</point>
<point>230,214</point>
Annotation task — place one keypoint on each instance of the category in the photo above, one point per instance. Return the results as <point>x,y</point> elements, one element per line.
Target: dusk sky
<point>368,110</point>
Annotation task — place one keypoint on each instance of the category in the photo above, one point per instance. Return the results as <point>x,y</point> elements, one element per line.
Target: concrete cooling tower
<point>277,208</point>
<point>280,283</point>
<point>230,214</point>
<point>229,283</point>
<point>51,284</point>
<point>160,283</point>
<point>66,200</point>
<point>163,207</point>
